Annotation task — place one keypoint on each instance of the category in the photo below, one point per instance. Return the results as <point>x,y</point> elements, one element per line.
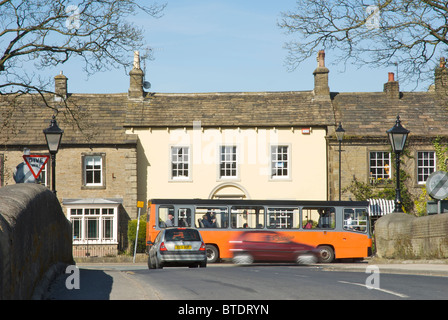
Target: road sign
<point>437,185</point>
<point>36,163</point>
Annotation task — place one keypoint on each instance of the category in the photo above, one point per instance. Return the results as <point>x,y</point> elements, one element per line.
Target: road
<point>256,282</point>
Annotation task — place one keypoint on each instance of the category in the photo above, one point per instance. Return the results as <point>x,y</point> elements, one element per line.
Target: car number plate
<point>182,247</point>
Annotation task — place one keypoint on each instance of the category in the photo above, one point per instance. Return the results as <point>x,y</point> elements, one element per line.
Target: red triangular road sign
<point>36,163</point>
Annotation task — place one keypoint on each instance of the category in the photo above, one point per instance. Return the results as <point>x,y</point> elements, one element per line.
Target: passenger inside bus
<point>209,220</point>
<point>170,221</point>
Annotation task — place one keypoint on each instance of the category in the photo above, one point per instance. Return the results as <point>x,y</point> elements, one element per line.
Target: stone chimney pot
<point>60,86</point>
<point>392,87</point>
<point>321,88</point>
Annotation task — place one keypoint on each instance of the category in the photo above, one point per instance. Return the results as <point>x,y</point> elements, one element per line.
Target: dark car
<point>270,246</point>
<point>177,247</point>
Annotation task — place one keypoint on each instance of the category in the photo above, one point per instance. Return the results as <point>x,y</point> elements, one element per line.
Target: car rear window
<point>182,234</point>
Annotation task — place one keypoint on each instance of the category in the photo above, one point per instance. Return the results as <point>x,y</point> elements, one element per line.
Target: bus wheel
<point>326,254</point>
<point>212,253</point>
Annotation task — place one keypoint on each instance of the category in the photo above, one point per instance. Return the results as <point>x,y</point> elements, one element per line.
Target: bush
<point>141,241</point>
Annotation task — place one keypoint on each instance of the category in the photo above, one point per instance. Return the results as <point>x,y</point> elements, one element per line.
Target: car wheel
<point>151,263</point>
<point>306,259</point>
<point>203,264</point>
<point>326,254</point>
<point>212,253</point>
<point>243,259</point>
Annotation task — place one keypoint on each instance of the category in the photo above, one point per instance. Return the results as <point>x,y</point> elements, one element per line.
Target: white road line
<point>379,289</point>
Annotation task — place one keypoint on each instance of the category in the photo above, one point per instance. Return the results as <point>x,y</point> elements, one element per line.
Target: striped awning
<point>380,207</point>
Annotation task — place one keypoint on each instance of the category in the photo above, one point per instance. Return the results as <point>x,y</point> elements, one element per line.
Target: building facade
<point>243,145</point>
<point>96,165</point>
<point>367,155</point>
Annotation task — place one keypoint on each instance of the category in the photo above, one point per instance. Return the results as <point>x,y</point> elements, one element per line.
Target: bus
<point>340,229</point>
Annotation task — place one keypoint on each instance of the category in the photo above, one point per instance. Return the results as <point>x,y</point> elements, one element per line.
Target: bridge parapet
<point>403,236</point>
<point>35,239</point>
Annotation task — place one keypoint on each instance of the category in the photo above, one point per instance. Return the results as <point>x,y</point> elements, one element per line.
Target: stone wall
<point>35,237</point>
<point>403,236</point>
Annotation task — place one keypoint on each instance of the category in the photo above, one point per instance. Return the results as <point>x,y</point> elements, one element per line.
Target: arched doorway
<point>229,191</point>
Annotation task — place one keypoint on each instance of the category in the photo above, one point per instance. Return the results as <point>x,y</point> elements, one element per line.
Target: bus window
<point>247,217</point>
<point>318,218</point>
<point>205,217</point>
<point>184,217</point>
<point>283,218</point>
<point>355,219</point>
<point>166,217</point>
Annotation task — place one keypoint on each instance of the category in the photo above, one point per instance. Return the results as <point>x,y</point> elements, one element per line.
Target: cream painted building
<point>243,145</point>
<point>237,162</point>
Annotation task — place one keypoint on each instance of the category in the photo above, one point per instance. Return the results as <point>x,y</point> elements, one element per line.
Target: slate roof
<point>100,116</point>
<point>238,109</point>
<point>371,114</point>
<point>105,117</point>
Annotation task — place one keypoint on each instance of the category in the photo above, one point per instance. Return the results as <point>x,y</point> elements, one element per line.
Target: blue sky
<point>223,46</point>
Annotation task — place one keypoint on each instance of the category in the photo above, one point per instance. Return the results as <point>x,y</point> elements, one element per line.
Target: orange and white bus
<point>339,228</point>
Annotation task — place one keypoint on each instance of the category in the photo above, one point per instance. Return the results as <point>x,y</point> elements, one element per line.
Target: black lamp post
<point>397,137</point>
<point>340,135</point>
<point>53,135</point>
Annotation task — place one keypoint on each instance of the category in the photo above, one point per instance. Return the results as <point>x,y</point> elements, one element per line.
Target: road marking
<point>379,289</point>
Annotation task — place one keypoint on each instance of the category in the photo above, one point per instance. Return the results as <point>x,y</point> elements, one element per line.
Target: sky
<point>223,46</point>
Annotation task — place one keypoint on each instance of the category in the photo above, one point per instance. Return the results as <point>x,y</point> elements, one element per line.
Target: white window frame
<point>234,162</point>
<point>383,159</point>
<point>85,213</point>
<point>274,163</point>
<point>178,162</point>
<point>101,165</point>
<point>425,167</point>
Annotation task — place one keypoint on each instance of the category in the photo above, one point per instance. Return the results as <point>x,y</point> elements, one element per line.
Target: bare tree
<point>409,34</point>
<point>39,34</point>
<point>45,33</point>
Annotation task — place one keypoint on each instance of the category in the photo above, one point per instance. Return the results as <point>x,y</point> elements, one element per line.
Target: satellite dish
<point>146,84</point>
<point>437,185</point>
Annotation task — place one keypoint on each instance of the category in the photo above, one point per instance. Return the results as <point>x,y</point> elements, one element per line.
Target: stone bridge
<point>35,241</point>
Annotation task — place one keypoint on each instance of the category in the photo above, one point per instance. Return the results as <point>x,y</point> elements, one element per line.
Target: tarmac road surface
<point>256,282</point>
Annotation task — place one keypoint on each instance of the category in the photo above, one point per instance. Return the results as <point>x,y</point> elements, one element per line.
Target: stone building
<point>96,176</point>
<point>366,116</point>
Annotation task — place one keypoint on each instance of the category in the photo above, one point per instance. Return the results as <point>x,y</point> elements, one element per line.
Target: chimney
<point>441,78</point>
<point>60,87</point>
<point>321,88</point>
<point>392,88</point>
<point>136,79</point>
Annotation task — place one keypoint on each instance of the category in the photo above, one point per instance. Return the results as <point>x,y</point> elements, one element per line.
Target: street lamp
<point>397,137</point>
<point>53,135</point>
<point>340,135</point>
